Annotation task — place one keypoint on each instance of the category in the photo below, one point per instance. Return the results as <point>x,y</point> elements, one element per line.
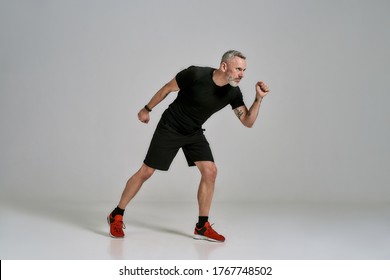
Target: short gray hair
<point>231,54</point>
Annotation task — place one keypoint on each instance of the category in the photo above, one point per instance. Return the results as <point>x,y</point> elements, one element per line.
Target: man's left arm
<point>248,117</point>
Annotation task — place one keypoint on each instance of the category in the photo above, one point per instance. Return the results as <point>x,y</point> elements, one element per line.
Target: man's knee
<point>145,172</point>
<point>208,170</point>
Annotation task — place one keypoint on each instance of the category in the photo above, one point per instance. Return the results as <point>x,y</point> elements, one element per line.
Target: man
<point>202,91</point>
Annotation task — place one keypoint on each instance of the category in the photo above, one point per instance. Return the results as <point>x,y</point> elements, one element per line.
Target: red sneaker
<point>116,226</point>
<point>207,233</point>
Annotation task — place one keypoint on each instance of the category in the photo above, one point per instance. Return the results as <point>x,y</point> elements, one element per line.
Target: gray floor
<point>269,231</point>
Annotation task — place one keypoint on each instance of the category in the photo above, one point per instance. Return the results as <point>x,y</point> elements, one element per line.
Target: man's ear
<point>223,66</point>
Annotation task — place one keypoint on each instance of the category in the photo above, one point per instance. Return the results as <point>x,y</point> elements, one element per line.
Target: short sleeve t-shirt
<point>199,98</point>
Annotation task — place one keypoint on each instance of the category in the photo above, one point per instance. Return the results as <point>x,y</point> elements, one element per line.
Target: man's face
<point>234,70</point>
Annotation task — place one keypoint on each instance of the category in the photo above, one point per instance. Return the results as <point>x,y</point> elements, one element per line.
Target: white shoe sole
<point>202,237</point>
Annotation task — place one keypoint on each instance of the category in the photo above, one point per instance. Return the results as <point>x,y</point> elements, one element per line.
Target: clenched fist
<point>262,89</point>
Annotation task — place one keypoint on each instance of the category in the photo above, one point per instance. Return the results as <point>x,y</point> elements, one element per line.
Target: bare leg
<point>134,184</point>
<point>208,171</point>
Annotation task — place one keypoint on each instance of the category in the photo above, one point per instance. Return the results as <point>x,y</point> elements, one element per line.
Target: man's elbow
<point>248,124</point>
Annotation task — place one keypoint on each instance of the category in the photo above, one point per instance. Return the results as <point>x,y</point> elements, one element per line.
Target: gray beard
<point>232,82</point>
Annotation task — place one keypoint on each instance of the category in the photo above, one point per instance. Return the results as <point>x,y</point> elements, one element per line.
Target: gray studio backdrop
<point>74,74</point>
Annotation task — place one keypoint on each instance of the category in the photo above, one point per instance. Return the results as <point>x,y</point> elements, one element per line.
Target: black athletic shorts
<point>166,142</point>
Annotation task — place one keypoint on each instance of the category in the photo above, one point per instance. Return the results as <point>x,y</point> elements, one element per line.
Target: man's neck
<point>219,78</point>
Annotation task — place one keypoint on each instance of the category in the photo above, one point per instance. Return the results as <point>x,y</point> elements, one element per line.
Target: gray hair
<point>231,54</point>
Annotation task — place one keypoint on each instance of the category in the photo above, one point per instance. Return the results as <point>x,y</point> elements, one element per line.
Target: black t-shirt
<point>199,97</point>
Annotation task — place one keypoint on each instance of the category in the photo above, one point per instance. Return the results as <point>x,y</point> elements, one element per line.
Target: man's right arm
<point>160,95</point>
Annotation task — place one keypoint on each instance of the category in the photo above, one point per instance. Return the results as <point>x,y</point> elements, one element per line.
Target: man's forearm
<point>157,98</point>
<point>162,94</point>
<point>253,112</point>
